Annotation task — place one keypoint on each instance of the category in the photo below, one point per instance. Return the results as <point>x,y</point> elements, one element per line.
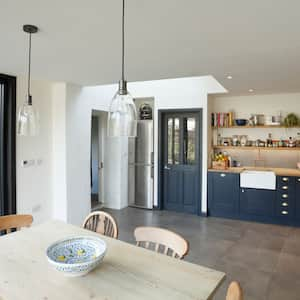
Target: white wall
<point>168,94</point>
<point>271,104</point>
<point>59,154</point>
<point>60,186</point>
<point>34,184</point>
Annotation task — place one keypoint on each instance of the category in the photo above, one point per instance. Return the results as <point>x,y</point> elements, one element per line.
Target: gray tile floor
<point>264,258</point>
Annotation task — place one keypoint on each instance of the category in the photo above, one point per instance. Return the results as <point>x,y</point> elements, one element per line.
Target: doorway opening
<point>180,160</point>
<point>98,136</point>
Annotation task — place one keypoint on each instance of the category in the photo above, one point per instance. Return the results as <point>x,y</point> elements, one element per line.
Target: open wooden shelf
<point>257,126</point>
<point>257,148</point>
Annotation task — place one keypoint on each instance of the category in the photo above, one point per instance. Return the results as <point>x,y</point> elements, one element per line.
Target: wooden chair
<point>234,291</point>
<point>7,223</point>
<point>162,241</point>
<point>101,222</point>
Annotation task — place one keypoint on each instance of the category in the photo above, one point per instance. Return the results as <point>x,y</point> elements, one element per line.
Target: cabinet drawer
<point>285,179</point>
<point>284,204</point>
<point>285,182</point>
<point>285,195</point>
<point>284,210</point>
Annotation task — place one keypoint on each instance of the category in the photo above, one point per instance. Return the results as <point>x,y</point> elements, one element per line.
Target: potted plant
<point>291,120</point>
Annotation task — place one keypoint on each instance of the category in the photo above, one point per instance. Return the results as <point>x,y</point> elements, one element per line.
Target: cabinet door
<point>260,203</point>
<point>297,199</point>
<point>223,194</point>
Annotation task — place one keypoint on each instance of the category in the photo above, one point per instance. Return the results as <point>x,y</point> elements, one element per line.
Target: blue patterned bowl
<point>76,256</point>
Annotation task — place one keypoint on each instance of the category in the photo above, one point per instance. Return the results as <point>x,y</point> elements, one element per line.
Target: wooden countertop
<point>277,171</point>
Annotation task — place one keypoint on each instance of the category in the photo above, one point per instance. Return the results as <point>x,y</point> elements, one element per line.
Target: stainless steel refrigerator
<point>140,171</point>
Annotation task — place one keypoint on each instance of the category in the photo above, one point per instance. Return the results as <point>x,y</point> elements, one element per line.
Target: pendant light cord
<point>123,39</point>
<point>29,70</point>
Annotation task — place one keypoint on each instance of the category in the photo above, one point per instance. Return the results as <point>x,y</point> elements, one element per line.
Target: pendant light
<point>122,115</point>
<point>27,116</point>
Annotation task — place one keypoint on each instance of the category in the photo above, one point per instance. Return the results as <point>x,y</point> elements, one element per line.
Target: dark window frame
<point>8,145</point>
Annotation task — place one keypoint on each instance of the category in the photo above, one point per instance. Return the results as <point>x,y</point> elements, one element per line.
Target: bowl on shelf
<point>76,256</point>
<point>241,122</point>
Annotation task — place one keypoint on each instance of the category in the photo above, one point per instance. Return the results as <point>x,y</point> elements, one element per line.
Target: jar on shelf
<point>235,140</point>
<point>244,140</point>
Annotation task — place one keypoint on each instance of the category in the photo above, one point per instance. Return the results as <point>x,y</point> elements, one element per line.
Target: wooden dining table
<point>127,271</point>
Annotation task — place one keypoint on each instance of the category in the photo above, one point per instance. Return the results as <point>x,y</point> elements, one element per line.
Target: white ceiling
<point>257,41</point>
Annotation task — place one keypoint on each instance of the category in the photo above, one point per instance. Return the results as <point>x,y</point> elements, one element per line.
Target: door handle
<point>167,168</point>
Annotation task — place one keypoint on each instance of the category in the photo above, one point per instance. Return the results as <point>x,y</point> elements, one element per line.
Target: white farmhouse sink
<point>258,180</point>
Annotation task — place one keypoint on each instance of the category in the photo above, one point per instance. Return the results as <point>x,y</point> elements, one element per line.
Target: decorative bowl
<point>241,122</point>
<point>76,256</point>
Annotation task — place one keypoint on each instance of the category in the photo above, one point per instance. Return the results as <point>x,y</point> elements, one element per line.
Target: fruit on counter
<point>221,161</point>
<point>220,157</point>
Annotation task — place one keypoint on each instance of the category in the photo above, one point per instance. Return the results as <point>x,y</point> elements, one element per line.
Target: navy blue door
<point>181,162</point>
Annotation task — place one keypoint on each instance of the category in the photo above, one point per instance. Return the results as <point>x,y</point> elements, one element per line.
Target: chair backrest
<point>7,223</point>
<point>162,241</point>
<point>234,291</point>
<point>101,222</point>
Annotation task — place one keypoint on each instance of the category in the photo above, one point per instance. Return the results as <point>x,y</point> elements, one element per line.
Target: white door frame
<point>102,129</point>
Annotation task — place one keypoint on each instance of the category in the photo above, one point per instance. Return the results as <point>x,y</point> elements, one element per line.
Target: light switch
<point>36,208</point>
<point>28,163</point>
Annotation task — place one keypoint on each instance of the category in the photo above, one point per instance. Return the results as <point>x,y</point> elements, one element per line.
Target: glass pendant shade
<point>28,122</point>
<point>122,116</point>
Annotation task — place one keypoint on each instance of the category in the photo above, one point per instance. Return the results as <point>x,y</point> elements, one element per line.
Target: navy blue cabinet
<point>223,194</point>
<point>297,199</point>
<point>257,204</point>
<point>227,199</point>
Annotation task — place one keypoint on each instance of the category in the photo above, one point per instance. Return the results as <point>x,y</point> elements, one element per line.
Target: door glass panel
<point>170,141</point>
<point>189,141</point>
<point>173,141</point>
<point>176,159</point>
